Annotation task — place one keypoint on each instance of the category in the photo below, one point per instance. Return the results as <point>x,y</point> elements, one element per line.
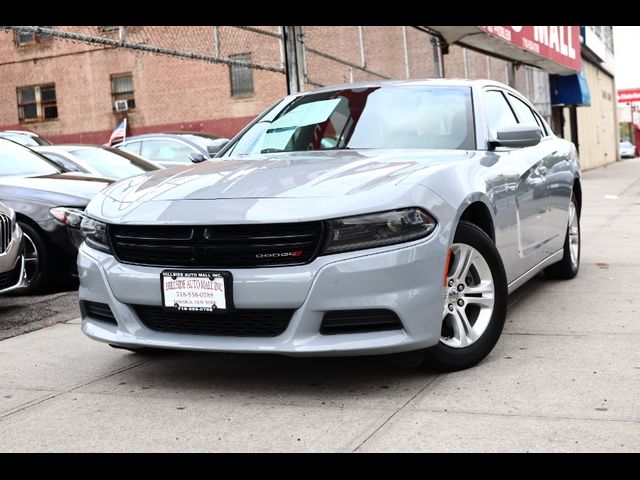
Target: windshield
<point>19,161</point>
<point>109,164</point>
<point>374,117</point>
<point>626,144</point>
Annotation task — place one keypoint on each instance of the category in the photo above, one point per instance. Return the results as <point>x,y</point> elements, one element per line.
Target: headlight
<point>95,233</point>
<point>377,230</point>
<point>68,216</point>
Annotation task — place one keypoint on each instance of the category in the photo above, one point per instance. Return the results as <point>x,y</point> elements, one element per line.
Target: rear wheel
<point>475,303</point>
<point>567,268</point>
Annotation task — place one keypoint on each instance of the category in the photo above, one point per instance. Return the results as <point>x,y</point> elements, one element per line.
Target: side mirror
<point>217,145</point>
<point>196,157</point>
<point>517,136</point>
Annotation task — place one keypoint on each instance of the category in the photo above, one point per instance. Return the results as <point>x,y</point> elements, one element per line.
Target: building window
<point>30,38</point>
<point>37,103</point>
<point>241,77</point>
<point>122,92</point>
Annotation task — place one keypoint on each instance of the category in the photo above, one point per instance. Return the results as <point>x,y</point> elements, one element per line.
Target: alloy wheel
<point>469,297</point>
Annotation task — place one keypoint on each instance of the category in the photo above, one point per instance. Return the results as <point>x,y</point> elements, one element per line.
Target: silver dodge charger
<point>357,219</point>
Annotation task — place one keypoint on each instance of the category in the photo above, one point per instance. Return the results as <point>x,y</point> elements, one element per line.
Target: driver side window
<point>498,112</point>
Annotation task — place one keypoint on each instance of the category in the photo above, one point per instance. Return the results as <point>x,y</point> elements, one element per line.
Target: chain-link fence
<point>257,47</point>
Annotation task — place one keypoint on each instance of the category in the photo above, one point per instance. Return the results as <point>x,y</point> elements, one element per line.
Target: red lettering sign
<point>629,95</point>
<point>560,44</point>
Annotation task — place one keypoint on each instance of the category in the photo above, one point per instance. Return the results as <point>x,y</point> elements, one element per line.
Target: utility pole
<point>438,58</point>
<point>294,58</point>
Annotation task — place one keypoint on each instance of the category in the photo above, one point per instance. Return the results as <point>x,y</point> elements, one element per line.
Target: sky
<point>625,45</point>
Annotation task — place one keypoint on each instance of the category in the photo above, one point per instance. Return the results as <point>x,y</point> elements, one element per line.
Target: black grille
<point>221,246</point>
<point>359,321</point>
<point>5,232</point>
<point>237,323</point>
<point>97,311</point>
<point>10,278</point>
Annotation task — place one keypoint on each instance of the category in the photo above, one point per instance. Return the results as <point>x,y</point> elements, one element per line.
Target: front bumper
<point>12,271</point>
<point>406,279</point>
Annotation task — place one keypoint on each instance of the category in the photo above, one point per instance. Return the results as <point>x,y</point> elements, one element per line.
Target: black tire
<point>565,269</point>
<point>443,357</point>
<point>39,273</point>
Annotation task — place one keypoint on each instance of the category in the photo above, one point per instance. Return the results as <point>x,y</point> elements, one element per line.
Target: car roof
<point>64,148</point>
<point>20,132</point>
<point>170,135</point>
<point>450,82</point>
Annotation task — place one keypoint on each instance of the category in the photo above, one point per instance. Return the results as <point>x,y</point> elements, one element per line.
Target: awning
<point>570,90</point>
<point>552,49</point>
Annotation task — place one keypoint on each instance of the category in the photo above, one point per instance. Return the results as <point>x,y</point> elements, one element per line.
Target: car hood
<point>58,189</point>
<point>327,174</point>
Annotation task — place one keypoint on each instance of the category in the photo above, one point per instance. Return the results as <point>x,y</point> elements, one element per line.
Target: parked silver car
<point>12,269</point>
<point>358,219</point>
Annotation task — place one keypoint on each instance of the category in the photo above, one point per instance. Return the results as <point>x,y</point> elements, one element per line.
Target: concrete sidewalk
<point>565,376</point>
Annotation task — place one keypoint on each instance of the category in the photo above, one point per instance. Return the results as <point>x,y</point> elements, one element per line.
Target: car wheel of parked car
<point>36,259</point>
<point>475,303</point>
<point>568,267</point>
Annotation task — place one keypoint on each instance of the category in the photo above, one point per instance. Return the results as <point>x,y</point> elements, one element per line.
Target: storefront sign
<point>629,95</point>
<point>560,44</point>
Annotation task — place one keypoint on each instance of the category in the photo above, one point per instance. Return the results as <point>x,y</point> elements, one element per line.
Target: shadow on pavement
<point>255,373</point>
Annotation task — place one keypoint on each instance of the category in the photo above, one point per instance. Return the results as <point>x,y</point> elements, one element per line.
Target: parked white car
<point>627,150</point>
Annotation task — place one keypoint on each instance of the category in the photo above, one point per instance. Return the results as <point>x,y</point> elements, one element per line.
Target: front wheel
<point>475,302</point>
<point>37,260</point>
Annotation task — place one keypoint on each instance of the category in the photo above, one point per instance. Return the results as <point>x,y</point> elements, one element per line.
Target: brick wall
<point>170,93</point>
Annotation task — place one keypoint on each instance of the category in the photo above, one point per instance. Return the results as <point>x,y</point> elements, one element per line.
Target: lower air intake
<point>359,321</point>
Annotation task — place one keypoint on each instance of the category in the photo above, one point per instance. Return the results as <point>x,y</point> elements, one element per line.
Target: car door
<point>554,169</point>
<point>531,197</point>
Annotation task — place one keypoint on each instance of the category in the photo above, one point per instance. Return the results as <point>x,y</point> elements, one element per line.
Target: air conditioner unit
<point>121,105</point>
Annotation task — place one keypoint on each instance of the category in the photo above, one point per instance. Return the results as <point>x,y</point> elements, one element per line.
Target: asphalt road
<point>564,377</point>
<point>25,313</point>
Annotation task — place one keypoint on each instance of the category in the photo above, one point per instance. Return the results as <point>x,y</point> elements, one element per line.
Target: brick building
<point>71,91</point>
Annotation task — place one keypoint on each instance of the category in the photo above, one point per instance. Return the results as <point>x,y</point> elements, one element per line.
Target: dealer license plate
<point>195,291</point>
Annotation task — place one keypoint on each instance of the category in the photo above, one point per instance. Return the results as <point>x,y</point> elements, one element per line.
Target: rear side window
<point>498,112</point>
